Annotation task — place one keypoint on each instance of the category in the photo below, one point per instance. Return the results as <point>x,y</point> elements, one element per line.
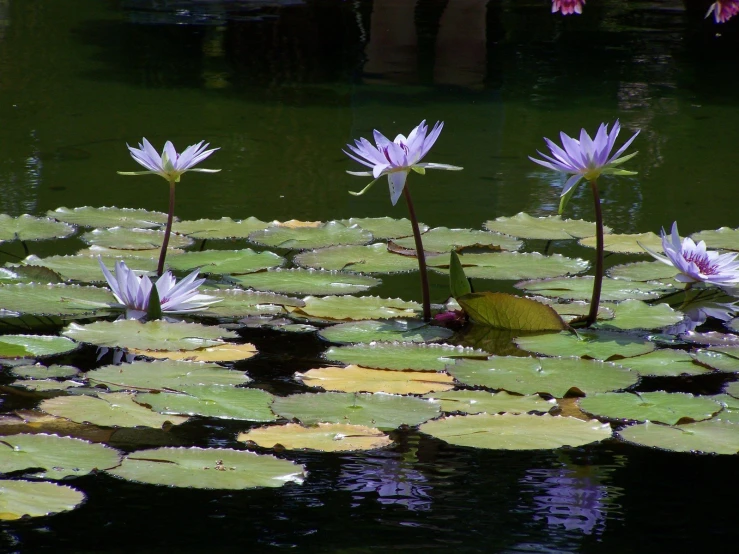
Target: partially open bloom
<point>133,291</point>
<point>396,158</point>
<point>567,7</point>
<point>694,262</point>
<point>170,164</point>
<point>724,10</point>
<point>589,158</point>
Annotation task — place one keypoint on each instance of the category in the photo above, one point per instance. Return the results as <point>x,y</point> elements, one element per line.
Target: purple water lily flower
<point>724,10</point>
<point>133,291</point>
<point>695,263</point>
<point>567,7</point>
<point>396,158</point>
<point>170,164</point>
<point>589,158</point>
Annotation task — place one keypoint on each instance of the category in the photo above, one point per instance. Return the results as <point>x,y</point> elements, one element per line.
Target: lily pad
<point>659,406</point>
<point>212,401</point>
<point>711,338</point>
<point>46,385</point>
<point>374,258</point>
<point>516,432</point>
<point>242,303</point>
<point>325,437</point>
<point>55,299</point>
<point>121,238</point>
<point>54,457</point>
<point>643,271</point>
<point>551,227</point>
<point>20,499</point>
<point>574,309</point>
<point>402,356</point>
<point>512,265</point>
<point>371,330</point>
<point>554,376</point>
<point>109,217</point>
<point>38,371</point>
<point>220,353</point>
<point>581,288</point>
<point>635,314</point>
<point>722,358</point>
<point>307,281</point>
<point>708,437</point>
<point>627,244</point>
<point>224,228</point>
<point>599,345</point>
<point>34,346</point>
<point>506,311</point>
<point>27,227</point>
<point>664,363</point>
<point>723,238</point>
<point>384,411</point>
<point>152,335</point>
<point>442,239</point>
<point>208,468</point>
<point>383,228</point>
<point>479,401</point>
<point>332,233</point>
<point>356,308</point>
<point>87,268</point>
<point>235,262</point>
<point>360,379</point>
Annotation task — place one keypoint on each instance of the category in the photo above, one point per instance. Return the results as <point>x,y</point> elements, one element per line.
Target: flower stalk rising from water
<point>133,292</point>
<point>170,165</point>
<point>588,158</point>
<point>567,7</point>
<point>397,159</point>
<point>724,10</point>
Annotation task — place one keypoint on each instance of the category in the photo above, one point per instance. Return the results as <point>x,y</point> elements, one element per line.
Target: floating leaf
<point>659,406</point>
<point>627,244</point>
<point>220,353</point>
<point>383,228</point>
<point>109,217</point>
<point>20,499</point>
<point>360,379</point>
<point>225,261</point>
<point>27,227</point>
<point>711,338</point>
<point>384,411</point>
<point>574,309</point>
<point>459,284</point>
<point>374,258</point>
<point>479,401</point>
<point>355,308</point>
<point>635,314</point>
<point>442,239</point>
<point>551,227</point>
<point>506,311</point>
<point>208,468</point>
<point>723,238</point>
<point>643,271</point>
<point>243,303</point>
<point>387,331</point>
<point>46,385</point>
<point>726,359</point>
<point>54,457</point>
<point>121,238</point>
<point>212,401</point>
<point>581,288</point>
<point>516,432</point>
<point>708,437</point>
<point>512,265</point>
<point>87,268</point>
<point>664,363</point>
<point>332,233</point>
<point>401,356</point>
<point>224,228</point>
<point>38,371</point>
<point>33,346</point>
<point>600,345</point>
<point>307,281</point>
<point>325,437</point>
<point>57,299</point>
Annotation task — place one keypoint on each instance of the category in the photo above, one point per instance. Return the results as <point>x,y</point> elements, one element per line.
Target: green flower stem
<point>167,230</point>
<point>598,281</point>
<point>420,254</point>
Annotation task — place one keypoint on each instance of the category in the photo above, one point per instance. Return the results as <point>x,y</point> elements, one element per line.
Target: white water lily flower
<point>133,291</point>
<point>170,164</point>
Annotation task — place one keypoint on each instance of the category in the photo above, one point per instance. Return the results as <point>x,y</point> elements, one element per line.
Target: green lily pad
<point>720,358</point>
<point>627,244</point>
<point>635,314</point>
<point>551,227</point>
<point>730,412</point>
<point>402,356</point>
<point>20,499</point>
<point>479,401</point>
<point>664,363</point>
<point>109,217</point>
<point>307,281</point>
<point>243,303</point>
<point>388,331</point>
<point>442,239</point>
<point>599,345</point>
<point>723,238</point>
<point>356,308</point>
<point>361,379</point>
<point>235,262</point>
<point>56,299</point>
<point>384,411</point>
<point>164,375</point>
<point>732,389</point>
<point>54,457</point>
<point>574,309</point>
<point>27,227</point>
<point>512,265</point>
<point>152,335</point>
<point>383,228</point>
<point>660,406</point>
<point>516,432</point>
<point>212,401</point>
<point>324,437</point>
<point>581,288</point>
<point>643,271</point>
<point>34,346</point>
<point>708,437</point>
<point>374,258</point>
<point>332,233</point>
<point>208,468</point>
<point>506,311</point>
<point>87,268</point>
<point>107,410</point>
<point>224,228</point>
<point>46,385</point>
<point>38,371</point>
<point>121,238</point>
<point>711,338</point>
<point>228,352</point>
<point>554,376</point>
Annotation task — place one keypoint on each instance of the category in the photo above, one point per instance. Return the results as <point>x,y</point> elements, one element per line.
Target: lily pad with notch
<point>323,437</point>
<point>27,227</point>
<point>442,239</point>
<point>222,402</point>
<point>306,281</point>
<point>626,244</point>
<point>512,265</point>
<point>122,238</point>
<point>635,314</point>
<point>87,216</point>
<point>581,288</point>
<point>599,345</point>
<point>374,258</point>
<point>643,271</point>
<point>20,499</point>
<point>480,401</point>
<point>665,362</point>
<point>383,228</point>
<point>551,227</point>
<point>357,308</point>
<point>401,330</point>
<point>723,238</point>
<point>87,268</point>
<point>658,406</point>
<point>56,299</point>
<point>328,234</point>
<point>402,356</point>
<point>354,378</point>
<point>219,229</point>
<point>235,262</point>
<point>707,437</point>
<point>244,303</point>
<point>34,346</point>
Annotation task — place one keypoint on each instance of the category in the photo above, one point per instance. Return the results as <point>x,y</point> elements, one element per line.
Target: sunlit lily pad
<point>27,227</point>
<point>711,338</point>
<point>57,299</point>
<point>208,468</point>
<point>46,385</point>
<point>87,268</point>
<point>20,499</point>
<point>54,457</point>
<point>383,228</point>
<point>516,432</point>
<point>664,363</point>
<point>724,238</point>
<point>307,281</point>
<point>224,228</point>
<point>554,376</point>
<point>581,288</point>
<point>152,335</point>
<point>643,271</point>
<point>388,331</point>
<point>360,379</point>
<point>551,227</point>
<point>109,217</point>
<point>38,371</point>
<point>479,401</point>
<point>720,358</point>
<point>164,375</point>
<point>243,303</point>
<point>573,309</point>
<point>507,311</point>
<point>332,233</point>
<point>221,353</point>
<point>121,238</point>
<point>512,265</point>
<point>325,437</point>
<point>356,308</point>
<point>442,239</point>
<point>599,345</point>
<point>635,314</point>
<point>659,406</point>
<point>212,401</point>
<point>374,258</point>
<point>709,437</point>
<point>108,410</point>
<point>627,244</point>
<point>384,411</point>
<point>235,262</point>
<point>34,346</point>
<point>402,356</point>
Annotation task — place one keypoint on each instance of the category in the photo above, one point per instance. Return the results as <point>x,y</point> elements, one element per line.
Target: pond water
<point>280,89</point>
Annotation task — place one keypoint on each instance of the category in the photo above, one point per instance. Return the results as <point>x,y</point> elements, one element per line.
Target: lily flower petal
<point>170,165</point>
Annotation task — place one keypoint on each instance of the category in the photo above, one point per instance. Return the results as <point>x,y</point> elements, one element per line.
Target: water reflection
<point>20,179</point>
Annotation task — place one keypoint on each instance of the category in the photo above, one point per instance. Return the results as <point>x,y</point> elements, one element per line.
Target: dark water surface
<point>281,90</point>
